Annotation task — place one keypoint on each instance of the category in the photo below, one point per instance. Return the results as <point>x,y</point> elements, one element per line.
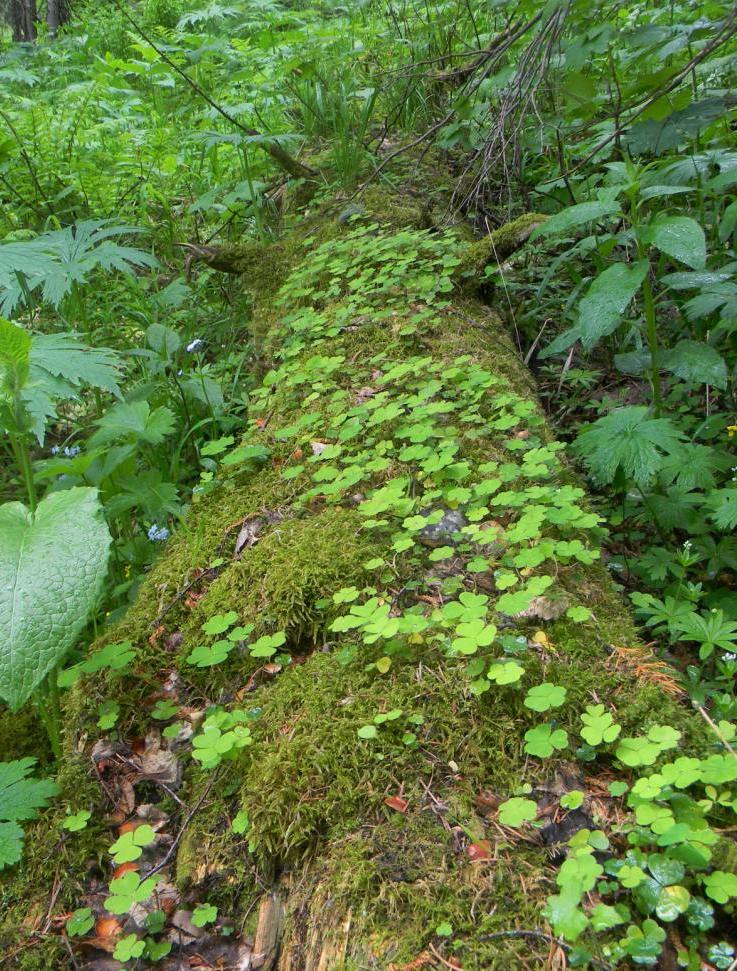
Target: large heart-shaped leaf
<point>52,567</point>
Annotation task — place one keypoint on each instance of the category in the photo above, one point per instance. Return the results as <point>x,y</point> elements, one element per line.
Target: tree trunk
<point>57,14</point>
<point>23,19</point>
<point>379,759</point>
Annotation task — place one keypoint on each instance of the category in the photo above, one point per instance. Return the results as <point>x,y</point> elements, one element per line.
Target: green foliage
<point>21,797</point>
<point>53,563</point>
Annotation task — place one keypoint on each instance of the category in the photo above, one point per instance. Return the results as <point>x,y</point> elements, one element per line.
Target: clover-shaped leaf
<point>128,890</point>
<point>129,846</point>
<point>672,902</point>
<point>164,709</point>
<point>572,799</point>
<point>564,913</point>
<point>472,635</point>
<point>219,623</point>
<point>128,948</point>
<point>368,731</point>
<point>267,645</point>
<point>516,811</point>
<point>545,696</point>
<point>208,655</point>
<point>204,914</point>
<point>599,726</point>
<point>80,922</point>
<point>76,821</point>
<point>543,740</point>
<point>505,672</point>
<point>108,714</point>
<point>720,886</point>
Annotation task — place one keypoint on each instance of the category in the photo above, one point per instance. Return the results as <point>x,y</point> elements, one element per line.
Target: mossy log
<point>329,875</point>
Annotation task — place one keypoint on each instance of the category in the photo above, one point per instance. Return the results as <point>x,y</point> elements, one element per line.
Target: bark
<point>23,18</point>
<point>57,14</point>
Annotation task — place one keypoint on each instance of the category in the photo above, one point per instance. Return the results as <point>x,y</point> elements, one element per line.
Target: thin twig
<point>715,728</point>
<point>185,823</point>
<point>292,165</point>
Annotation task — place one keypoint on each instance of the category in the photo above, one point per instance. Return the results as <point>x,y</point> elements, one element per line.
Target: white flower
<point>195,345</point>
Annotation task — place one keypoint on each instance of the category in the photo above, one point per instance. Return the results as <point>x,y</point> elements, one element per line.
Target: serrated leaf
<point>11,844</point>
<point>627,439</point>
<point>135,422</point>
<point>52,568</point>
<point>600,311</point>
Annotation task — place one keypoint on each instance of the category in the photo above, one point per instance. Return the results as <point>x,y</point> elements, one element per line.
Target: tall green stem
<point>651,329</point>
<point>47,703</point>
<point>23,458</point>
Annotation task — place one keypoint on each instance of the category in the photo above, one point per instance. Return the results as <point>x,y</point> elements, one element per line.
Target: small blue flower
<point>158,534</point>
<point>54,449</point>
<point>195,345</point>
<point>71,450</point>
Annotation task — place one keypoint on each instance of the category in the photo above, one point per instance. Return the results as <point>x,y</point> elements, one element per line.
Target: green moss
<point>296,564</point>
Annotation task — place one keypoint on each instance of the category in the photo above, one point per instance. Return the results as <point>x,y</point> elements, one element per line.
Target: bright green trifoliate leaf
<point>505,672</point>
<point>108,713</point>
<point>75,822</point>
<point>219,623</point>
<point>204,914</point>
<point>720,886</point>
<point>80,922</point>
<point>565,914</point>
<point>516,811</point>
<point>128,948</point>
<point>572,799</point>
<point>545,696</point>
<point>267,645</point>
<point>599,727</point>
<point>543,740</point>
<point>208,655</point>
<point>128,890</point>
<point>52,568</point>
<point>471,636</point>
<point>644,750</point>
<point>129,846</point>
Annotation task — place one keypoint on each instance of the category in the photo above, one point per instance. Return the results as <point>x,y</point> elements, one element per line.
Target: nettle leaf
<point>629,440</point>
<point>134,422</point>
<point>600,311</point>
<point>575,216</point>
<point>52,566</point>
<point>695,362</point>
<point>680,237</point>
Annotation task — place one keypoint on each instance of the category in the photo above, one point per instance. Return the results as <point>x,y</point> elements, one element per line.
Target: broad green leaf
<point>52,568</point>
<point>574,216</point>
<point>695,362</point>
<point>134,421</point>
<point>15,351</point>
<point>679,237</point>
<point>628,439</point>
<point>600,311</point>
